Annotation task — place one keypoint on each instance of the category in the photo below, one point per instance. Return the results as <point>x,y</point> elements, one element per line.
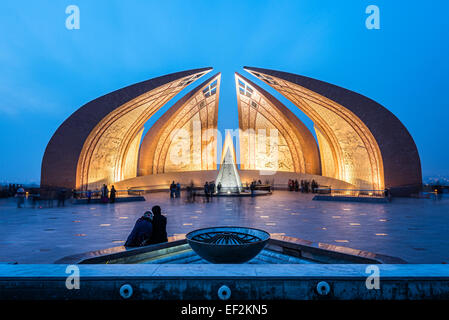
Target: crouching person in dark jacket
<point>141,234</point>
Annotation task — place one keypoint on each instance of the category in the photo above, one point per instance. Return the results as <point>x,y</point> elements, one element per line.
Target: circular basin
<point>227,244</point>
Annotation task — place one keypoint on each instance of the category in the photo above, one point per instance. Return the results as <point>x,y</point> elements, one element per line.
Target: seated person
<point>142,231</point>
<point>159,233</point>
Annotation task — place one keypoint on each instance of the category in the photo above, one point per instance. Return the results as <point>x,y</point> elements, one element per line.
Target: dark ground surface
<point>416,230</point>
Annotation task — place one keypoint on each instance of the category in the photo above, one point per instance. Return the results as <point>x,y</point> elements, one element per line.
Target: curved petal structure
<point>185,137</point>
<point>99,142</point>
<point>360,141</point>
<point>272,138</point>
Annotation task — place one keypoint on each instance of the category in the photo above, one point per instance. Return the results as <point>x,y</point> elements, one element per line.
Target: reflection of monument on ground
<point>228,177</point>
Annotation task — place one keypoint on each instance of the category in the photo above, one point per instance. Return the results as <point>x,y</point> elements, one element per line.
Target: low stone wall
<point>118,199</point>
<point>245,282</point>
<point>351,199</point>
<point>280,179</point>
<point>162,181</point>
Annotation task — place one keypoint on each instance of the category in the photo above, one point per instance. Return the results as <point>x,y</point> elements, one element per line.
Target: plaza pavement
<point>416,230</point>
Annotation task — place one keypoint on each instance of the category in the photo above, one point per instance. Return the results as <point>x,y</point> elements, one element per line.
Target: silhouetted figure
<point>61,197</point>
<point>387,194</point>
<point>252,188</point>
<point>296,185</point>
<point>189,193</point>
<point>290,185</point>
<point>314,186</point>
<point>306,186</point>
<point>212,188</point>
<point>219,187</point>
<point>112,195</point>
<point>172,189</point>
<point>193,191</point>
<point>20,195</point>
<point>89,196</point>
<point>142,231</point>
<point>159,234</point>
<point>178,190</point>
<point>105,194</point>
<point>51,196</point>
<point>206,191</point>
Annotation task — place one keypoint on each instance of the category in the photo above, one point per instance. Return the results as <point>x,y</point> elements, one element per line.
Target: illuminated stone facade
<point>185,137</point>
<point>360,141</point>
<point>271,137</point>
<point>361,144</point>
<point>98,143</point>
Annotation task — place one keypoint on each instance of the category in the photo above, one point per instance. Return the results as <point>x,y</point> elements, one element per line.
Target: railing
<point>136,192</point>
<point>352,192</point>
<point>119,193</point>
<point>264,187</point>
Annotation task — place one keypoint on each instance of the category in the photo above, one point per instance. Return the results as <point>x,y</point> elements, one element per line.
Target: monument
<point>359,144</point>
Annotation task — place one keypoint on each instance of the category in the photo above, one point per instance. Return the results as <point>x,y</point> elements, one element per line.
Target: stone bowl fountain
<point>227,244</point>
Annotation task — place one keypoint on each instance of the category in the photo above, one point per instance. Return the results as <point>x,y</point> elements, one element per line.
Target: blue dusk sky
<point>48,72</point>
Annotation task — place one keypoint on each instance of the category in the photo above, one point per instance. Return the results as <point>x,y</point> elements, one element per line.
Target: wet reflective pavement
<point>416,230</point>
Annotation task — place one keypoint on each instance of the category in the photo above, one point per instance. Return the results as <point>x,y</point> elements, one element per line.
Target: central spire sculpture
<point>228,176</point>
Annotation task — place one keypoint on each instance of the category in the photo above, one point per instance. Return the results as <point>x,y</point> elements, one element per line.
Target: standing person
<point>219,187</point>
<point>20,195</point>
<point>212,188</point>
<point>387,194</point>
<point>112,196</point>
<point>314,186</point>
<point>102,193</point>
<point>89,196</point>
<point>33,200</point>
<point>51,197</point>
<point>61,197</point>
<point>159,221</point>
<point>105,194</point>
<point>296,185</point>
<point>64,196</point>
<point>192,186</point>
<point>253,188</point>
<point>206,191</point>
<point>178,190</point>
<point>189,193</point>
<point>306,186</point>
<point>142,231</point>
<point>172,189</point>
